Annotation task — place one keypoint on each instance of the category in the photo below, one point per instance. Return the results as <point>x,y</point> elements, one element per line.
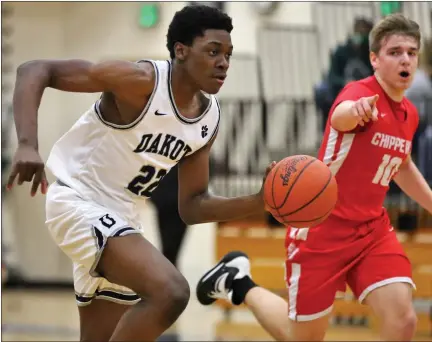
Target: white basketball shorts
<point>81,229</point>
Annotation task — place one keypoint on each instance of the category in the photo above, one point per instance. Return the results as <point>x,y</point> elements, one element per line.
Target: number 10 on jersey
<point>387,169</point>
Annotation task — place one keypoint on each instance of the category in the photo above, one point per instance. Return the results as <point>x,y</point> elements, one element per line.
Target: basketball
<point>300,191</point>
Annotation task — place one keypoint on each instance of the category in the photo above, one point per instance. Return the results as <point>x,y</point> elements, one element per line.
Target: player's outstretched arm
<point>127,80</point>
<point>198,205</point>
<point>348,114</point>
<point>412,183</point>
<point>119,77</point>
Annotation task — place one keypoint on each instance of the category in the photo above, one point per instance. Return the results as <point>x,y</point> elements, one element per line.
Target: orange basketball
<point>300,191</point>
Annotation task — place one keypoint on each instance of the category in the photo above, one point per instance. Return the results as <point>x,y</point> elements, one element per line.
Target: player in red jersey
<point>367,144</point>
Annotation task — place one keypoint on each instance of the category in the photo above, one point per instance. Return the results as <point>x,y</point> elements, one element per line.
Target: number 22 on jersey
<point>147,181</point>
<point>387,169</point>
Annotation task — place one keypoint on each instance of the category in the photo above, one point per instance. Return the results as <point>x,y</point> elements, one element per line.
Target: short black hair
<point>191,22</point>
<point>361,22</point>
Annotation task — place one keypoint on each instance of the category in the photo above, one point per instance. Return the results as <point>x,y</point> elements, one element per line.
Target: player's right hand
<point>365,110</point>
<point>28,165</point>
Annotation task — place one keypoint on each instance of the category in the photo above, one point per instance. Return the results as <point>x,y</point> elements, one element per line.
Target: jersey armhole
<point>155,89</point>
<point>215,131</point>
<point>144,111</point>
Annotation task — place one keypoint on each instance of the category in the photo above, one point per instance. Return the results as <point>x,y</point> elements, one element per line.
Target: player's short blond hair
<point>393,24</point>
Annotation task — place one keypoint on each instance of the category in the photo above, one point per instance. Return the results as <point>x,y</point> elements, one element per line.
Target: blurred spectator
<point>323,97</point>
<point>349,62</point>
<point>422,83</point>
<point>420,93</point>
<point>172,229</point>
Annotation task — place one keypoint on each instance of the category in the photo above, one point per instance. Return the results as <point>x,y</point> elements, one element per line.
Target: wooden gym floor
<point>51,315</point>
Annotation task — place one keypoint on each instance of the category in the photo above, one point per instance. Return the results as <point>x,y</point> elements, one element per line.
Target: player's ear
<point>373,60</point>
<point>181,51</point>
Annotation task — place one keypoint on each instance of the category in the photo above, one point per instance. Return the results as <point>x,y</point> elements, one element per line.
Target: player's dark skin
<point>131,260</point>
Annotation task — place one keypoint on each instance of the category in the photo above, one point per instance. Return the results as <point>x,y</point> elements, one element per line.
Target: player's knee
<point>401,320</point>
<point>314,330</point>
<point>406,323</point>
<point>410,323</point>
<point>172,296</point>
<point>177,293</point>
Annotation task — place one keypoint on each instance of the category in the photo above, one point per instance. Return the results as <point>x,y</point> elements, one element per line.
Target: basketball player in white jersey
<point>151,116</point>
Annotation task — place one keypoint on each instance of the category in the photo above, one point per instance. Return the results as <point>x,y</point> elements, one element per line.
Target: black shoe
<point>217,282</point>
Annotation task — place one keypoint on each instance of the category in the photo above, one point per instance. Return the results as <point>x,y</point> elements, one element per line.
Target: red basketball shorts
<point>322,260</point>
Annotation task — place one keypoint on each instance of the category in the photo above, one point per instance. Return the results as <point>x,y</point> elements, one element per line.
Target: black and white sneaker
<point>217,282</point>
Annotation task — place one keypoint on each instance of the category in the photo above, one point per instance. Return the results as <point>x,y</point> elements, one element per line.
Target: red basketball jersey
<point>365,160</point>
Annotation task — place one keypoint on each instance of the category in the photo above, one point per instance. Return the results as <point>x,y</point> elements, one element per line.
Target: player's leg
<point>172,232</point>
<point>382,279</point>
<point>99,301</point>
<point>108,246</point>
<point>99,319</point>
<point>392,304</point>
<point>305,317</point>
<point>163,291</point>
<point>134,262</point>
<point>270,310</point>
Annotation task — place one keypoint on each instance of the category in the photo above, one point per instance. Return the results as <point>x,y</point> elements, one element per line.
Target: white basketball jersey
<point>116,166</point>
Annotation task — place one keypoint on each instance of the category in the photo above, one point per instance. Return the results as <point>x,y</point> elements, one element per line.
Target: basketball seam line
<point>295,181</point>
<point>313,199</point>
<point>272,183</point>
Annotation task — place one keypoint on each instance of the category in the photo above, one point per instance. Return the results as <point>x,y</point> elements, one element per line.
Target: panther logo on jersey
<point>204,130</point>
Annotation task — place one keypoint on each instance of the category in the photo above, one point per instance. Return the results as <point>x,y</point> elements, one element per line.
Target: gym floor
<point>51,315</point>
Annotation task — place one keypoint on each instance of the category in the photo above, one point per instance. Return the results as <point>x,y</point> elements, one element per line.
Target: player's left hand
<point>267,171</point>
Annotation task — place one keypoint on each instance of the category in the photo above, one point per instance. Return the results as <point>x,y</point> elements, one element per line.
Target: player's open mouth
<point>220,79</point>
<point>404,74</point>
